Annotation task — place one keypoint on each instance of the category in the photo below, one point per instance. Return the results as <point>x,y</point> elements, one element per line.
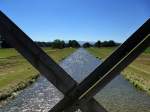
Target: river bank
<point>118,96</point>
<point>16,73</point>
<point>137,73</point>
<point>9,94</point>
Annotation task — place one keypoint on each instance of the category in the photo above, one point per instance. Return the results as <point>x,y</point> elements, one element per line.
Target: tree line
<point>59,44</point>
<point>62,44</point>
<point>75,44</point>
<point>99,43</point>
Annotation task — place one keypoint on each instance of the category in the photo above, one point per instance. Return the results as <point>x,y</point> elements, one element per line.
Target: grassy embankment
<point>16,73</point>
<point>138,72</point>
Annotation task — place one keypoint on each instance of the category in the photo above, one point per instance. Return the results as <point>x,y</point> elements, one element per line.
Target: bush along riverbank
<point>16,73</point>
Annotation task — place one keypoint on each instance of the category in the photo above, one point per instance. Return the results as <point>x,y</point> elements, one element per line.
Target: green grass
<point>147,50</point>
<point>16,73</point>
<point>5,53</point>
<point>138,72</point>
<point>102,52</point>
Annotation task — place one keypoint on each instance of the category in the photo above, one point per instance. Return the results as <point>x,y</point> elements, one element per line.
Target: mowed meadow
<point>16,73</point>
<point>138,72</point>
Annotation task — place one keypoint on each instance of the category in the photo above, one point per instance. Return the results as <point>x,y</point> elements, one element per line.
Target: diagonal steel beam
<point>108,70</point>
<point>13,32</point>
<point>40,60</point>
<point>102,82</point>
<point>117,68</point>
<point>35,55</point>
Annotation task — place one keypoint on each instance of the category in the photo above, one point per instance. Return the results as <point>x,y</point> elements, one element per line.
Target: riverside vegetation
<point>16,73</point>
<point>138,72</point>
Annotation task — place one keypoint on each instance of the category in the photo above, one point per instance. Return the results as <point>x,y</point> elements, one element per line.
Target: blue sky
<point>83,20</point>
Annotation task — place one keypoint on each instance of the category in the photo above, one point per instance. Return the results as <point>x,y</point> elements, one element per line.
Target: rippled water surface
<point>118,96</point>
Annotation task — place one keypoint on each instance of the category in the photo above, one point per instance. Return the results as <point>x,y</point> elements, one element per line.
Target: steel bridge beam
<point>41,61</point>
<point>76,96</point>
<point>108,70</point>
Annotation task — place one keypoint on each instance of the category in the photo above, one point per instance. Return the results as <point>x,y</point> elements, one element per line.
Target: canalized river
<point>118,96</point>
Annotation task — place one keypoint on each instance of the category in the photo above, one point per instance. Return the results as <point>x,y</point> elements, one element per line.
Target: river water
<point>118,96</point>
